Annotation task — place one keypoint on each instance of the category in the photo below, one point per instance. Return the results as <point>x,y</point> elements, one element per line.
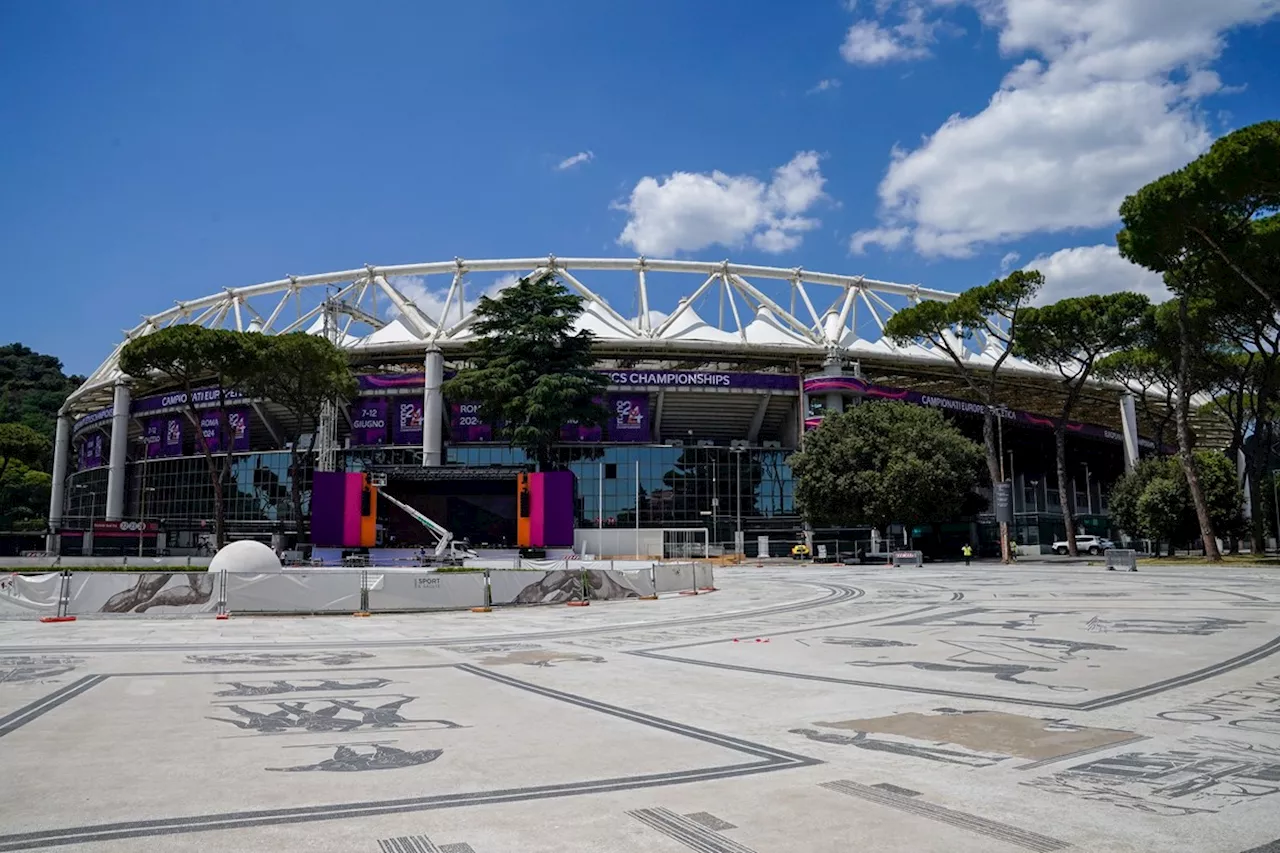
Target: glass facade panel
<point>678,486</point>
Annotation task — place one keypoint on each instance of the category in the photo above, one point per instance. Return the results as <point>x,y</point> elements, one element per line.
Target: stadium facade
<point>704,411</point>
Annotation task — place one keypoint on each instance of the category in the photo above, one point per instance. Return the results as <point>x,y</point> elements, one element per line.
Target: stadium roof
<point>723,312</point>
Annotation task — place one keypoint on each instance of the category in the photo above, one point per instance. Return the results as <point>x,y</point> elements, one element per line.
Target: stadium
<point>715,371</point>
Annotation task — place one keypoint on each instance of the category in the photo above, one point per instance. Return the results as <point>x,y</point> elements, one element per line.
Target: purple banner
<point>151,436</point>
<point>624,378</point>
<point>91,452</point>
<point>378,381</point>
<point>163,437</point>
<point>237,430</point>
<point>171,438</point>
<point>369,422</point>
<point>93,418</point>
<point>406,421</point>
<point>204,397</point>
<point>699,379</point>
<point>465,423</point>
<point>574,431</point>
<point>628,417</point>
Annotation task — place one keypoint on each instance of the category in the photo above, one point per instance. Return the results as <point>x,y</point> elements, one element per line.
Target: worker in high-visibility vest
<point>967,550</point>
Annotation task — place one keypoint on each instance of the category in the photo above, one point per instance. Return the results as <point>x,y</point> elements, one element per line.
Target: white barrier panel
<point>141,564</point>
<point>704,575</point>
<point>525,587</point>
<point>424,590</point>
<point>153,593</point>
<point>30,595</point>
<point>294,592</point>
<point>615,585</point>
<point>562,585</point>
<point>672,577</point>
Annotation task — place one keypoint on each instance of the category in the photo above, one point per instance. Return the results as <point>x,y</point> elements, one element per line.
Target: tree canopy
<point>1219,209</point>
<point>191,356</point>
<point>32,388</point>
<point>1154,501</point>
<point>301,373</point>
<point>20,443</point>
<point>1069,336</point>
<point>978,317</point>
<point>884,463</point>
<point>529,370</point>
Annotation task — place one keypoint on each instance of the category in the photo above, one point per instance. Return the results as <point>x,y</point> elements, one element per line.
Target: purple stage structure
<point>344,510</point>
<point>544,504</point>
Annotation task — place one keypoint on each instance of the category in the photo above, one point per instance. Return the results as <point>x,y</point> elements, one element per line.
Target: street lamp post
<point>738,543</point>
<point>1004,525</point>
<point>1088,489</point>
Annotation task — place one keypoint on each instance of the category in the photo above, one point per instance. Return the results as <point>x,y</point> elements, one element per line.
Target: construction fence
<point>69,593</point>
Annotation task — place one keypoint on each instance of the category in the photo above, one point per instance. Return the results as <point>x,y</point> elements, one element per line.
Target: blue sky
<point>155,150</point>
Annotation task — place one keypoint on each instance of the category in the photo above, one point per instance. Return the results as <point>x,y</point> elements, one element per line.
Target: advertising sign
<point>152,432</point>
<point>406,421</point>
<point>465,423</point>
<point>125,528</point>
<point>378,381</point>
<point>91,451</point>
<point>369,422</point>
<point>574,431</point>
<point>629,417</point>
<point>203,397</point>
<point>237,430</point>
<point>1004,503</point>
<point>171,438</point>
<point>694,379</point>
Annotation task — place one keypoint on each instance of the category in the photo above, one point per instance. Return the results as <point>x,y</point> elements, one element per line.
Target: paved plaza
<point>1030,708</point>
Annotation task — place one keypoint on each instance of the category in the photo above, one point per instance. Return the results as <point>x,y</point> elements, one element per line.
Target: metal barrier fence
<point>71,594</point>
<point>1121,558</point>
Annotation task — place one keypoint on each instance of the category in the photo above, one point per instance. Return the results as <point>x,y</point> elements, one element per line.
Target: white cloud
<point>889,238</point>
<point>824,85</point>
<point>1093,269</point>
<point>688,211</point>
<point>431,300</point>
<point>868,43</point>
<point>576,159</point>
<point>1106,101</point>
<point>1007,262</point>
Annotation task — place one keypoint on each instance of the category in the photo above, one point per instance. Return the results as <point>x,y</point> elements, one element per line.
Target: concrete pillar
<point>1129,430</point>
<point>433,410</point>
<point>57,494</point>
<point>117,471</point>
<point>835,399</point>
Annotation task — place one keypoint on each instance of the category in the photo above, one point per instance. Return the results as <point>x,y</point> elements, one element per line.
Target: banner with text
<point>91,451</point>
<point>369,422</point>
<point>629,417</point>
<point>406,421</point>
<point>237,430</point>
<point>465,423</point>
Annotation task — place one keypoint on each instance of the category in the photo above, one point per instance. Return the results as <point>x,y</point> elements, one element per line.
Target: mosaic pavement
<point>1035,708</point>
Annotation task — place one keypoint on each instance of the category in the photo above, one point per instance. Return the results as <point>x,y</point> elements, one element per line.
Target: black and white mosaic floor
<point>1032,708</point>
